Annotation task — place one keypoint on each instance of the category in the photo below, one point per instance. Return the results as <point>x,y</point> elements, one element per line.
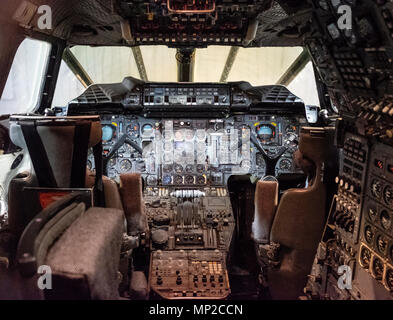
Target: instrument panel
<point>197,152</point>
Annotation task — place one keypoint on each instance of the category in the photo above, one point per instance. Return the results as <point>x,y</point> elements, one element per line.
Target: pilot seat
<point>287,231</point>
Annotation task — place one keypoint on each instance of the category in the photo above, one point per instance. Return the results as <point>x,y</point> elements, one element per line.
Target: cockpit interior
<point>196,150</point>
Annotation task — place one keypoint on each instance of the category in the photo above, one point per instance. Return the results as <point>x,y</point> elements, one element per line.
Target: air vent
<point>94,94</point>
<point>275,94</point>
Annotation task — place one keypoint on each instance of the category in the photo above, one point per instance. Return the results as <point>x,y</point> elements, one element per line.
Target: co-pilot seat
<point>58,148</point>
<point>287,232</point>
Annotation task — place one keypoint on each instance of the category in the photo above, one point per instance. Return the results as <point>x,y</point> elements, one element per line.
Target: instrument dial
<point>369,234</point>
<point>201,134</point>
<point>178,180</point>
<point>377,268</point>
<point>189,134</point>
<point>365,257</point>
<point>376,188</point>
<point>108,133</point>
<point>167,168</point>
<point>389,279</point>
<point>133,130</point>
<point>285,164</point>
<point>178,168</point>
<point>372,212</point>
<point>189,179</point>
<point>388,195</point>
<point>266,133</point>
<point>382,244</point>
<point>112,162</point>
<point>147,130</point>
<point>125,165</point>
<point>166,179</point>
<point>200,168</point>
<point>386,220</point>
<point>201,180</point>
<point>151,180</point>
<point>189,168</point>
<point>179,135</point>
<point>89,164</point>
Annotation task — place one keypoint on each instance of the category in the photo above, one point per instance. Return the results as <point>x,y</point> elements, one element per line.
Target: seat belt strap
<point>99,186</point>
<point>79,155</point>
<point>38,155</point>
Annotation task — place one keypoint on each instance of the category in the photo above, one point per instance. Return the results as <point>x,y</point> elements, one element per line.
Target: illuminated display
<point>378,163</point>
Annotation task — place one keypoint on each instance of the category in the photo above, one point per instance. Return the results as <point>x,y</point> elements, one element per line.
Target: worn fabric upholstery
<point>85,259</point>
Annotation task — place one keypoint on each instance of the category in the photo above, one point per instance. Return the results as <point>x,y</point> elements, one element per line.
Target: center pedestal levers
<point>190,235</point>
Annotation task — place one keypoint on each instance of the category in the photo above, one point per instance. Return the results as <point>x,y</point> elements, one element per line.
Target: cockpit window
<point>259,66</point>
<point>24,81</point>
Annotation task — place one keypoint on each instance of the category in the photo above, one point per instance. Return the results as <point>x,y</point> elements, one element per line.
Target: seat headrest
<point>314,143</point>
<point>60,143</point>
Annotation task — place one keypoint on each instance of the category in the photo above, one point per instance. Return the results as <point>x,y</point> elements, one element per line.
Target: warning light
<point>378,163</point>
<point>390,168</point>
<point>47,198</point>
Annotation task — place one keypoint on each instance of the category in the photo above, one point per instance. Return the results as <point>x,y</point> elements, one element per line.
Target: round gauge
<point>133,130</point>
<point>219,126</point>
<point>389,279</point>
<point>151,180</point>
<point>168,157</point>
<point>178,168</point>
<point>266,133</point>
<point>189,168</point>
<point>201,147</point>
<point>200,134</point>
<point>245,164</point>
<point>166,179</point>
<point>112,162</point>
<point>189,146</point>
<point>167,168</point>
<point>179,135</point>
<point>372,213</point>
<point>376,188</point>
<point>388,195</point>
<point>89,165</point>
<point>178,180</point>
<point>140,166</point>
<point>285,164</point>
<point>189,179</point>
<point>125,165</point>
<point>200,168</point>
<point>365,257</point>
<point>147,130</point>
<point>377,268</point>
<point>369,234</point>
<point>200,180</point>
<point>386,220</point>
<point>178,156</point>
<point>108,133</point>
<point>189,134</point>
<point>382,244</point>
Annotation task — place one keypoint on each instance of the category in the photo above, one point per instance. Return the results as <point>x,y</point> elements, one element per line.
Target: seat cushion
<point>85,259</point>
